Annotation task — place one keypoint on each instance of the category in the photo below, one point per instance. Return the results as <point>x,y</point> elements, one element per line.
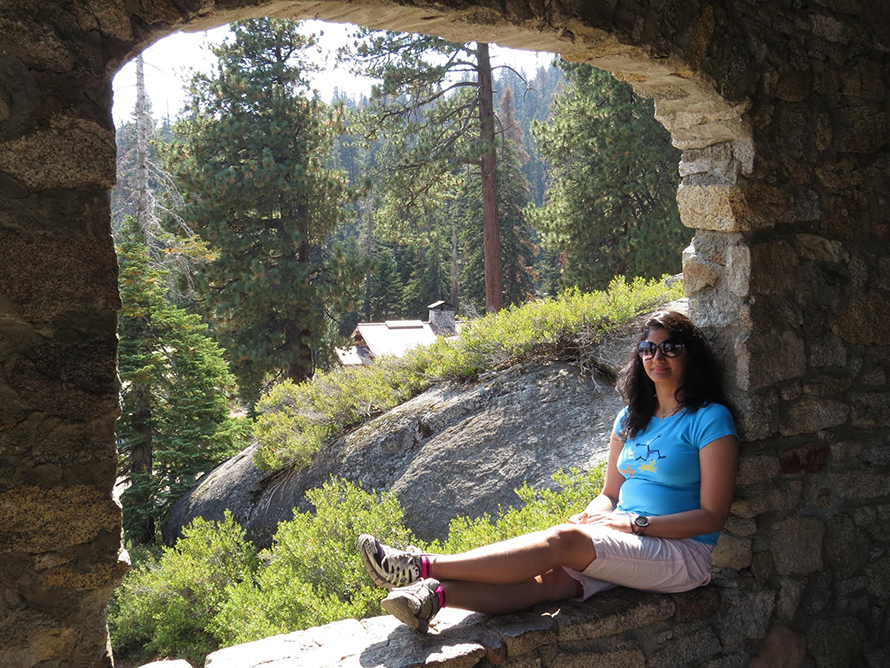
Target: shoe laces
<point>402,559</point>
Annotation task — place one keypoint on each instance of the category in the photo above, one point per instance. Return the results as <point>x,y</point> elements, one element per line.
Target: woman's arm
<point>606,501</point>
<point>718,461</point>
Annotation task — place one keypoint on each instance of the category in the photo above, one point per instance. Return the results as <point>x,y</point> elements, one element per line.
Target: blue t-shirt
<point>660,464</point>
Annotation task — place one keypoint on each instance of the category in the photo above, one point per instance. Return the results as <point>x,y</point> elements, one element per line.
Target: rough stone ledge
<point>459,639</point>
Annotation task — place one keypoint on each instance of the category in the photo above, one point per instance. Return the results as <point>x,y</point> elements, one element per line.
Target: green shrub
<point>540,510</point>
<point>213,589</point>
<point>567,326</point>
<point>295,420</point>
<point>313,573</point>
<point>165,602</point>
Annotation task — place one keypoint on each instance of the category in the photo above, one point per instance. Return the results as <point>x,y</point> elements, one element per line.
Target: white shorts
<point>643,562</point>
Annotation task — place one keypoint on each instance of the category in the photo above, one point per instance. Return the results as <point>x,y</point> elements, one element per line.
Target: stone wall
<point>781,109</point>
<point>624,629</point>
<point>801,295</point>
<point>59,528</point>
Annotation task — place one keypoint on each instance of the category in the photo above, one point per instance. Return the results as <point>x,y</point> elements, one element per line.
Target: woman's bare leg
<point>518,560</point>
<point>495,599</point>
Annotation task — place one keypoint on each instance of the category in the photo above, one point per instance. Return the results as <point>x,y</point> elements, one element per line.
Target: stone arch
<point>781,111</point>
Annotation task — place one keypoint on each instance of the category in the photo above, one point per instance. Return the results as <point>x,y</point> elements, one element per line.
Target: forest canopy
<point>262,223</point>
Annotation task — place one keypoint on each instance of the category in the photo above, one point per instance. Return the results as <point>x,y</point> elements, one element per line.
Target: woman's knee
<point>572,544</point>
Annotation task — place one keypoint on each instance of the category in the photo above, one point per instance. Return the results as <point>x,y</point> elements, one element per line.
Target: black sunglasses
<point>669,348</point>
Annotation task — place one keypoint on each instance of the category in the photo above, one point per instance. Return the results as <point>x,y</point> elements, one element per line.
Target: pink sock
<point>441,593</point>
<point>425,566</point>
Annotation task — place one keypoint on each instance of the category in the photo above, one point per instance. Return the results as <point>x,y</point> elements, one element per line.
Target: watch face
<point>641,521</point>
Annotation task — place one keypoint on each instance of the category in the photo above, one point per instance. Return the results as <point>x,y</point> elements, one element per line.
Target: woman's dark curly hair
<point>701,380</point>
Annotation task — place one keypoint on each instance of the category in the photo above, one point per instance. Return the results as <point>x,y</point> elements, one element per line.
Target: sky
<point>169,61</point>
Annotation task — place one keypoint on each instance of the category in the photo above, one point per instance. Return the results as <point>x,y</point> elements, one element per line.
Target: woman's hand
<point>617,521</point>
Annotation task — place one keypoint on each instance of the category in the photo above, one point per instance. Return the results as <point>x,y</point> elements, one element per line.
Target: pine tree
<point>174,423</point>
<point>387,293</point>
<point>518,251</point>
<point>435,99</point>
<point>426,266</point>
<point>466,210</point>
<point>253,163</point>
<point>146,192</point>
<point>532,103</point>
<point>611,209</point>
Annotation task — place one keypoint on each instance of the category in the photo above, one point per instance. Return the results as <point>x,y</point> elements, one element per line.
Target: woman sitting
<point>669,485</point>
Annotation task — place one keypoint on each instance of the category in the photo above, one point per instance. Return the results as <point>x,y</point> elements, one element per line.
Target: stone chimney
<point>442,318</point>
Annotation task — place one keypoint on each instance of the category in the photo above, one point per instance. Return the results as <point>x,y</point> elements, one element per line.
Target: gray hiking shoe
<point>414,605</point>
<point>388,566</point>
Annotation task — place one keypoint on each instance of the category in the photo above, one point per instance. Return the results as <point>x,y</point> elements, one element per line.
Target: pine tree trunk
<point>491,230</point>
<point>304,360</point>
<point>455,267</point>
<point>142,203</point>
<point>298,365</point>
<point>142,530</point>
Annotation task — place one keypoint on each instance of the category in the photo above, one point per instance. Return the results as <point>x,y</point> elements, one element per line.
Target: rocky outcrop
<point>453,450</point>
<point>456,449</point>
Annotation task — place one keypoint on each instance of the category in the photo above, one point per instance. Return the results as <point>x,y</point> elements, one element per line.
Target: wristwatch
<point>638,523</point>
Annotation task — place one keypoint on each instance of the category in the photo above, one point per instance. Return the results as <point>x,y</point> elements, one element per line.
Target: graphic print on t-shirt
<point>647,457</point>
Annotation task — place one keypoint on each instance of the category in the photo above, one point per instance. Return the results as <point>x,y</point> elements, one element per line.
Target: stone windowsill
<point>459,639</point>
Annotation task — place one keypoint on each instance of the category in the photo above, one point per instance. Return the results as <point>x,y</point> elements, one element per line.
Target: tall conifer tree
<point>386,296</point>
<point>174,423</point>
<point>435,98</point>
<point>611,209</point>
<point>253,165</point>
<point>518,251</point>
